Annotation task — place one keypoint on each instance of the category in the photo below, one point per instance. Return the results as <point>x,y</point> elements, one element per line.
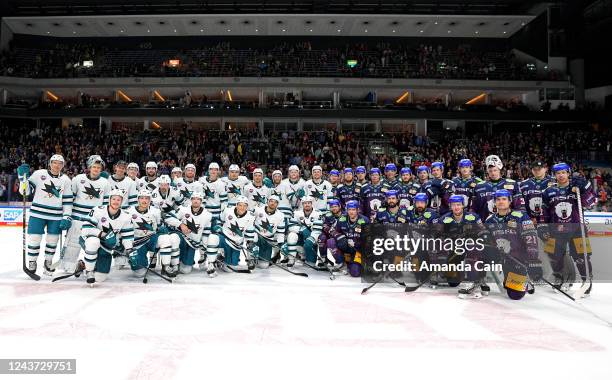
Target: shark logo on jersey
<point>143,225</point>
<point>235,229</point>
<point>266,226</point>
<point>316,194</point>
<point>193,227</point>
<point>233,189</point>
<point>51,190</point>
<point>259,198</point>
<point>186,193</point>
<point>491,206</point>
<point>208,193</point>
<point>563,210</point>
<point>92,192</point>
<point>375,204</point>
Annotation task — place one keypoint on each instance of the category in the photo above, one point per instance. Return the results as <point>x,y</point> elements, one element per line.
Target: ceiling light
<point>174,30</point>
<point>393,30</point>
<point>436,23</point>
<point>476,32</point>
<point>284,30</point>
<point>121,30</point>
<point>449,31</point>
<point>201,30</point>
<point>366,30</point>
<point>148,30</point>
<point>338,30</point>
<point>257,30</point>
<point>311,30</point>
<point>229,30</point>
<point>420,31</point>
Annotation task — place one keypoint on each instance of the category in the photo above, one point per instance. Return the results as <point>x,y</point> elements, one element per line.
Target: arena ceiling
<point>124,7</point>
<point>493,26</point>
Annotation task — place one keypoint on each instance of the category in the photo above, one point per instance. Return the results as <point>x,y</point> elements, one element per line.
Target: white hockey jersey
<point>128,186</point>
<point>146,182</point>
<point>321,192</point>
<point>199,222</point>
<point>270,227</point>
<point>257,195</point>
<point>186,188</point>
<point>88,193</point>
<point>145,224</point>
<point>235,188</point>
<point>99,220</point>
<point>170,201</point>
<point>288,192</point>
<point>313,222</point>
<point>215,195</point>
<point>237,230</point>
<point>52,195</point>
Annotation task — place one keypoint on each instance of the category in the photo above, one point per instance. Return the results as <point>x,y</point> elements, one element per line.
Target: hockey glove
<point>534,268</point>
<point>65,224</point>
<point>108,239</point>
<point>268,183</point>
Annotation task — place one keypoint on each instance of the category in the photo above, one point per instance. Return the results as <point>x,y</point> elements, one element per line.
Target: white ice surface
<point>272,325</point>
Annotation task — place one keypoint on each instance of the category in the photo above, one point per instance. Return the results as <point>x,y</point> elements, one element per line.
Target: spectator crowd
<point>399,59</point>
<point>277,150</point>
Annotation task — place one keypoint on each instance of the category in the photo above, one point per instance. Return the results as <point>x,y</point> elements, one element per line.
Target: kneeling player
<point>304,231</point>
<point>327,242</point>
<point>106,229</point>
<point>270,233</point>
<point>516,245</point>
<point>194,229</point>
<point>348,238</point>
<point>237,235</point>
<point>150,235</point>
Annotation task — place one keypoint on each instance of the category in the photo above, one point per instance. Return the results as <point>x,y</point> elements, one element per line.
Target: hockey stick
<point>149,270</point>
<point>587,282</point>
<point>332,276</point>
<point>410,289</point>
<point>283,268</point>
<point>27,271</point>
<point>76,273</point>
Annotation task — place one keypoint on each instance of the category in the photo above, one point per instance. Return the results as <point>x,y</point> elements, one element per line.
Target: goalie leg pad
<point>72,249</point>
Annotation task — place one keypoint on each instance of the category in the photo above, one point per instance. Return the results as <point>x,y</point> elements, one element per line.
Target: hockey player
<point>348,191</point>
<point>305,232</point>
<point>360,173</point>
<point>150,180</point>
<point>151,235</point>
<point>165,197</point>
<point>319,189</point>
<point>439,189</point>
<point>290,191</point>
<point>270,227</point>
<point>106,230</point>
<point>532,190</point>
<point>347,235</point>
<point>465,182</point>
<point>175,174</point>
<point>561,211</point>
<point>188,185</point>
<point>406,190</point>
<point>122,182</point>
<point>459,223</point>
<point>483,202</point>
<point>392,213</point>
<point>372,195</point>
<point>237,235</point>
<point>418,186</point>
<point>133,171</point>
<point>419,213</point>
<point>51,208</point>
<point>215,192</point>
<point>235,184</point>
<point>391,182</point>
<point>327,242</point>
<point>516,244</point>
<point>334,180</point>
<point>89,191</point>
<point>256,192</point>
<point>194,227</point>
